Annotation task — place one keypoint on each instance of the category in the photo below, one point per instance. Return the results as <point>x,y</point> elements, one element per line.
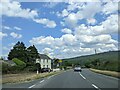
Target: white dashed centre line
<point>31,86</point>
<point>95,87</point>
<point>41,81</point>
<point>92,84</point>
<point>82,76</point>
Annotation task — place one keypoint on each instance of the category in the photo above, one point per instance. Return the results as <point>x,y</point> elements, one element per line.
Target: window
<point>41,60</point>
<point>47,66</point>
<point>47,60</point>
<point>43,66</point>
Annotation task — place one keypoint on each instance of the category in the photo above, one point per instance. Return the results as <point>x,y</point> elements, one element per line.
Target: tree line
<point>20,51</point>
<point>23,57</point>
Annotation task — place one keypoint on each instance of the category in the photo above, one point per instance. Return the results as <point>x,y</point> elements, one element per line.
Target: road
<point>71,79</point>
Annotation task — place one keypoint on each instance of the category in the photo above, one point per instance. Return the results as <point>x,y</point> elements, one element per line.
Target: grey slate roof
<point>10,62</point>
<point>43,56</point>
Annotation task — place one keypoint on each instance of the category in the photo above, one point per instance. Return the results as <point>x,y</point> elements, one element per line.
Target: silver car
<point>78,69</point>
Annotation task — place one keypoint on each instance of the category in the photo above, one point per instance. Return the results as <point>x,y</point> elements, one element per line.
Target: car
<point>78,69</point>
<point>46,70</point>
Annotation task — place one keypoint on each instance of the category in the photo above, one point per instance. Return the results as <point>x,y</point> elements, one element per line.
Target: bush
<point>30,69</point>
<point>107,65</point>
<point>5,68</point>
<point>20,64</point>
<point>65,67</point>
<point>61,67</point>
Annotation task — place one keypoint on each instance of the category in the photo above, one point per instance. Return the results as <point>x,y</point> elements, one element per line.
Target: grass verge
<point>105,72</point>
<point>25,77</point>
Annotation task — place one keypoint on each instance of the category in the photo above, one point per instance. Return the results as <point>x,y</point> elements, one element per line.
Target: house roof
<point>43,56</point>
<point>10,62</point>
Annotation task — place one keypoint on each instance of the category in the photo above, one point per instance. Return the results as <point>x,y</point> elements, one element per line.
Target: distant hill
<point>110,57</point>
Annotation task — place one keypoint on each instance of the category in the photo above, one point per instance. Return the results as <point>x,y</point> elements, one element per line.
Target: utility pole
<point>37,71</point>
<point>95,51</point>
<point>38,65</point>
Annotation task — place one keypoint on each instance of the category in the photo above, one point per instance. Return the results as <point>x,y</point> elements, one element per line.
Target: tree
<point>55,62</point>
<point>1,58</point>
<point>18,51</point>
<point>32,54</point>
<point>87,64</point>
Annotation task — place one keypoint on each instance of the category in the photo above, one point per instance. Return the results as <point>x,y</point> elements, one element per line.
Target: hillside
<point>100,60</point>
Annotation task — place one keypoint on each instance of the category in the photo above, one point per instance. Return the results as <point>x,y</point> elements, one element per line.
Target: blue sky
<point>60,29</point>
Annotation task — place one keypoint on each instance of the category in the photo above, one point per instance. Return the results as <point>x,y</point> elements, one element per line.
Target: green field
<point>105,61</point>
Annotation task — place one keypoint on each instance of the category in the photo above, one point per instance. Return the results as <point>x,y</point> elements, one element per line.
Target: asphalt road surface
<point>71,79</point>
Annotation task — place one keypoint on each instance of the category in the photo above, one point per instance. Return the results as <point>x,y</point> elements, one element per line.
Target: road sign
<point>60,61</point>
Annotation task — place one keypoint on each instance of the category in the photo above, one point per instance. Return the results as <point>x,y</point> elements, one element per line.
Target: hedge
<point>20,64</point>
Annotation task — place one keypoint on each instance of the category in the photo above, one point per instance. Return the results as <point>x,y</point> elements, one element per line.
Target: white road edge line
<point>95,86</point>
<point>31,86</point>
<point>82,76</point>
<point>42,81</point>
<point>50,77</point>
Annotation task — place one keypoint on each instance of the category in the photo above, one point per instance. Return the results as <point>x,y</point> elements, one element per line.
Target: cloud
<point>69,45</point>
<point>75,5</point>
<point>68,39</point>
<point>15,35</point>
<point>47,50</point>
<point>64,13</point>
<point>42,40</point>
<point>10,28</point>
<point>17,28</point>
<point>91,21</point>
<point>89,11</point>
<point>82,30</point>
<point>50,4</point>
<point>109,26</point>
<point>5,48</point>
<point>95,39</point>
<point>46,22</point>
<point>2,35</point>
<point>85,10</point>
<point>6,27</point>
<point>110,7</point>
<point>14,9</point>
<point>66,30</point>
<point>62,23</point>
<point>78,11</point>
<point>71,20</point>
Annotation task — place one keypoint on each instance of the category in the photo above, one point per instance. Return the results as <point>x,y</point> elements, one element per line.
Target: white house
<point>45,61</point>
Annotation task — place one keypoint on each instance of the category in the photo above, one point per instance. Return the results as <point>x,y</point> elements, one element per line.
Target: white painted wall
<point>44,63</point>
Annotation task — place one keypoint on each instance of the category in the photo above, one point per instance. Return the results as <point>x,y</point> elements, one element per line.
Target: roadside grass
<point>25,77</point>
<point>105,72</point>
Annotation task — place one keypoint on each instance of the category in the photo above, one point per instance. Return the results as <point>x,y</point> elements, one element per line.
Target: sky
<point>60,29</point>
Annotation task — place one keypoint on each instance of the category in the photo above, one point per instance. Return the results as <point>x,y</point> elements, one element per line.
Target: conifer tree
<point>18,51</point>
